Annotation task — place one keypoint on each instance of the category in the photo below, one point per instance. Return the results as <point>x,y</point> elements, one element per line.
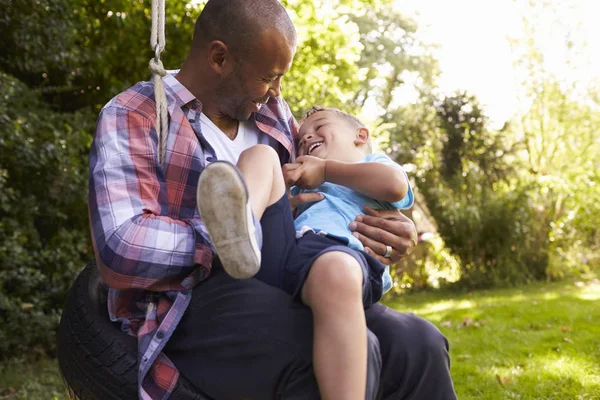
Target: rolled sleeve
<point>137,243</point>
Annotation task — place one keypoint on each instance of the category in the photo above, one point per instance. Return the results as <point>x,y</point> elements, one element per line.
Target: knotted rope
<point>157,42</point>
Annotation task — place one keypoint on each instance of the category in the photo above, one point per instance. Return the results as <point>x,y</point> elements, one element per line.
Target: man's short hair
<point>348,117</point>
<point>239,23</point>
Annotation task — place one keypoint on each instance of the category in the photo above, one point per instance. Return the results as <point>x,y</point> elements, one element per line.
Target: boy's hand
<point>307,172</point>
<point>303,198</point>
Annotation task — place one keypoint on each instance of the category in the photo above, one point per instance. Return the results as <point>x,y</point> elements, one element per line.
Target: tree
<point>558,126</point>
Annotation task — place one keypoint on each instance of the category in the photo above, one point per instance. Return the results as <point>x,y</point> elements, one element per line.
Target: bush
<point>44,238</point>
<point>430,265</point>
<point>490,214</point>
<point>500,236</point>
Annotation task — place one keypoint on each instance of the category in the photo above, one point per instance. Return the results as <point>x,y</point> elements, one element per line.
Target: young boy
<point>316,259</point>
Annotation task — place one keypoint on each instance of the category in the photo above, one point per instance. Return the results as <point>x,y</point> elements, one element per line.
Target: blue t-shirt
<point>341,205</point>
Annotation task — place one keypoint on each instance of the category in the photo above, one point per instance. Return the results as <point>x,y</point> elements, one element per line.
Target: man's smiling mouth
<point>314,146</point>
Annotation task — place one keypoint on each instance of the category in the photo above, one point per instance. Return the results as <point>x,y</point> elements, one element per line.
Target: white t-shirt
<point>229,150</point>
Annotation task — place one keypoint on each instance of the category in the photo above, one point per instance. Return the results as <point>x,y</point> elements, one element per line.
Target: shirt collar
<point>180,96</point>
<point>180,93</point>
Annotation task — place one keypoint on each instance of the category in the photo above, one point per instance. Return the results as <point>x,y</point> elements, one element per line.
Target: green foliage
<point>498,236</point>
<point>505,220</point>
<point>23,379</point>
<point>324,69</point>
<point>80,53</point>
<point>43,218</point>
<point>421,268</point>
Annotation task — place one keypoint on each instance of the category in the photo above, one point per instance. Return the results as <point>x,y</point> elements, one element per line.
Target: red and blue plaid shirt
<point>150,244</point>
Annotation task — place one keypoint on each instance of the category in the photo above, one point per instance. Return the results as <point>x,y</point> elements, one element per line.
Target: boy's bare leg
<point>232,200</point>
<point>261,169</point>
<point>333,290</point>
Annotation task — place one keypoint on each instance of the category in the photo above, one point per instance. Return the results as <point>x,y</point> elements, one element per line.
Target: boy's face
<point>329,136</point>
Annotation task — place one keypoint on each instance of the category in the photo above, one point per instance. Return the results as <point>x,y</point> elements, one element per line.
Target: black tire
<point>97,360</point>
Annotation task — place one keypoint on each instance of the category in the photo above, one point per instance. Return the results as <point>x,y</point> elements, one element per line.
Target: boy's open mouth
<point>314,146</point>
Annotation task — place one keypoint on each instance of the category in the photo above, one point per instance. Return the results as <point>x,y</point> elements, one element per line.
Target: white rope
<point>157,41</point>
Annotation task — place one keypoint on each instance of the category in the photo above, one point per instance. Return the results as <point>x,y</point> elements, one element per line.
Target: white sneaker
<point>224,206</point>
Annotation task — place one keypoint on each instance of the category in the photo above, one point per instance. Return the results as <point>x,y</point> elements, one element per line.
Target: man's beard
<point>235,98</point>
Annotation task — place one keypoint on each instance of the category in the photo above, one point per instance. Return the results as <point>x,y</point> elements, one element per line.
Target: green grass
<point>536,342</point>
<point>20,380</point>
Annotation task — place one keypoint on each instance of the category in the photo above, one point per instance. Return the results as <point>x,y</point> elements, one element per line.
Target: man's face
<point>254,80</point>
<point>327,135</point>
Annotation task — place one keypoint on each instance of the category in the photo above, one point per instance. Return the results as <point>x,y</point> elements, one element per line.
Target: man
<point>231,338</point>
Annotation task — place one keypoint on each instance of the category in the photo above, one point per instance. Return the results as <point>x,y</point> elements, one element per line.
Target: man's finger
<point>376,238</point>
<point>380,258</point>
<point>304,198</point>
<point>383,213</point>
<point>395,226</point>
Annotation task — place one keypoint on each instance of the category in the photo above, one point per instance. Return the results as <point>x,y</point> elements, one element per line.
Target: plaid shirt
<point>150,244</point>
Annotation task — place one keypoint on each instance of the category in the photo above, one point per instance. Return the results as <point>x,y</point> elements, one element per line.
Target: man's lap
<point>243,336</point>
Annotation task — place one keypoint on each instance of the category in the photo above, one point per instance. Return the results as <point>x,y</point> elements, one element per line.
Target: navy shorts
<point>286,261</point>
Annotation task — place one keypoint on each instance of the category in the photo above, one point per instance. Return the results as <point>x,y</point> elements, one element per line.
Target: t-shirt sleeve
<point>409,199</point>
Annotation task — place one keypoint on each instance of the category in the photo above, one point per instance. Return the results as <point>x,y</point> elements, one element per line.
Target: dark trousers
<point>244,339</point>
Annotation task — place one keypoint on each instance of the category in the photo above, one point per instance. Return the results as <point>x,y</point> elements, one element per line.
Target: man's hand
<point>380,228</point>
<point>307,172</point>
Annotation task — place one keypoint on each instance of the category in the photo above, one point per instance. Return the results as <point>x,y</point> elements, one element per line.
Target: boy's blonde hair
<point>348,117</point>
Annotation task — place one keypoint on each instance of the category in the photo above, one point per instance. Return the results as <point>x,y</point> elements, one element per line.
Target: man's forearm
<point>373,179</point>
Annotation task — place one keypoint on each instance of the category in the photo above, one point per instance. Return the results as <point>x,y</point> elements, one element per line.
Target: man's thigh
<point>415,360</point>
<point>243,339</point>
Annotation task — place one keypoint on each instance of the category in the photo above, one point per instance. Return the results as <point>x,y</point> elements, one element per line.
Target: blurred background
<point>493,108</point>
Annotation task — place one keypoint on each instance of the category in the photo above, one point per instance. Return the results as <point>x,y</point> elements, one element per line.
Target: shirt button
<point>160,334</point>
<point>210,159</point>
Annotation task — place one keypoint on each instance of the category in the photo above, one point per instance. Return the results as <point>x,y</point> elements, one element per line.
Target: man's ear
<point>219,57</point>
<point>362,137</point>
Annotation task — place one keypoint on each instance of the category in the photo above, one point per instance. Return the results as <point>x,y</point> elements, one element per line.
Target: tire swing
<point>96,359</point>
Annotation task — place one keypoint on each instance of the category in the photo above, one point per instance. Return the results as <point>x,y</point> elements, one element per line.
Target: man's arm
<point>137,244</point>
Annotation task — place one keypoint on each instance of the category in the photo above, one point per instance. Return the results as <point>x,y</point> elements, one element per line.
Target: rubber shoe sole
<point>224,206</point>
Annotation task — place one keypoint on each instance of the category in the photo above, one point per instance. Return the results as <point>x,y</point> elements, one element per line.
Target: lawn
<point>536,342</point>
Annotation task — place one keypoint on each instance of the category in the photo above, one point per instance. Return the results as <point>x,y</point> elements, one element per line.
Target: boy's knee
<point>260,152</point>
<point>335,275</point>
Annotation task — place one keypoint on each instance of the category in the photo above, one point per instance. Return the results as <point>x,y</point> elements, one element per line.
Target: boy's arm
<point>373,179</point>
<point>376,180</point>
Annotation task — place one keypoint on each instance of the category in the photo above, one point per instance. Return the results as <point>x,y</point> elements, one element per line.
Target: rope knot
<point>156,66</point>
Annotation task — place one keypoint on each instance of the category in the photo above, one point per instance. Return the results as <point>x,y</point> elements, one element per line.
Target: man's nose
<point>275,89</point>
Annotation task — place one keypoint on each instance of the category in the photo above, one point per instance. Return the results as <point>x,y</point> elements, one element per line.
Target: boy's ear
<point>362,137</point>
